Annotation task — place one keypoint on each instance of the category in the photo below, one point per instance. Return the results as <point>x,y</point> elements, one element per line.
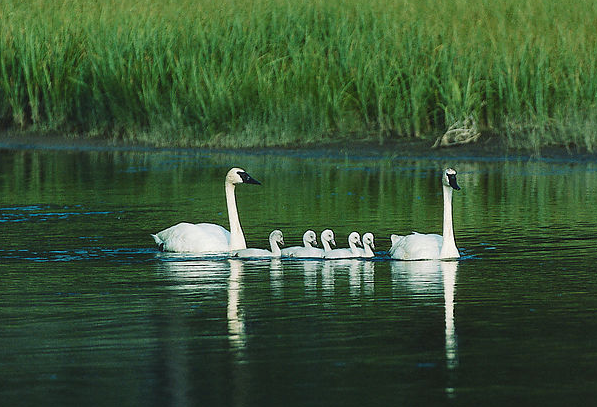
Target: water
<point>93,314</point>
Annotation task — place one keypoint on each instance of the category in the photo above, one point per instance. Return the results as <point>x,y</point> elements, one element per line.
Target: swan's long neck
<point>449,250</point>
<point>326,245</point>
<point>306,242</point>
<point>368,251</point>
<point>237,237</point>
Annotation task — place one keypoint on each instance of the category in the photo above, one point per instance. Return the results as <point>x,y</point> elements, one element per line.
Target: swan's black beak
<point>247,179</point>
<point>452,181</point>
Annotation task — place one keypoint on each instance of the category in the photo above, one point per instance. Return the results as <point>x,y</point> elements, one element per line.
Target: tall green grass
<point>281,72</point>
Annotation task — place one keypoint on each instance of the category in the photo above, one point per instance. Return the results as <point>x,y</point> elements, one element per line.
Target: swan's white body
<point>368,246</point>
<point>209,237</point>
<point>275,239</point>
<point>309,239</point>
<point>354,239</point>
<point>419,246</point>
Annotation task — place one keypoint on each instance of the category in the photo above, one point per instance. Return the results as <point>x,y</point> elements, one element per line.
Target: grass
<point>279,72</point>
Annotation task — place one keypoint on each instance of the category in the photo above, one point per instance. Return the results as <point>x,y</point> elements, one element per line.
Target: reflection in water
<point>189,275</point>
<point>310,270</point>
<point>360,276</point>
<point>449,269</point>
<point>198,275</point>
<point>237,337</point>
<point>432,278</point>
<point>236,323</point>
<point>327,279</point>
<point>369,277</point>
<point>354,277</point>
<point>276,275</point>
<point>192,273</point>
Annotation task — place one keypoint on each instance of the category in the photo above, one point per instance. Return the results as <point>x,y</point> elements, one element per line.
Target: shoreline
<point>487,149</point>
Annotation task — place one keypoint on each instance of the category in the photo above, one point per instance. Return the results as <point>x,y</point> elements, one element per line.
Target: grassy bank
<point>280,72</point>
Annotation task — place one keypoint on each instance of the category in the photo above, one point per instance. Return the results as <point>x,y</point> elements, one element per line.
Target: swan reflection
<point>360,275</point>
<point>368,277</point>
<point>430,279</point>
<point>192,273</point>
<point>276,277</point>
<point>449,271</point>
<point>236,322</point>
<point>310,272</point>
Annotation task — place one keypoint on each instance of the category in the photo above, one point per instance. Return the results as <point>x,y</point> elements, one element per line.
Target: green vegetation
<point>281,72</point>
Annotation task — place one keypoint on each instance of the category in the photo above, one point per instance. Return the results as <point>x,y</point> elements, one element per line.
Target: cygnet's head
<point>310,237</point>
<point>328,236</point>
<point>355,238</point>
<point>277,237</point>
<point>368,240</point>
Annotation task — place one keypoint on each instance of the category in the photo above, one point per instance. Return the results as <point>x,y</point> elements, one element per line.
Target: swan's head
<point>328,236</point>
<point>449,178</point>
<point>355,238</point>
<point>277,237</point>
<point>310,237</point>
<point>368,240</point>
<point>239,176</point>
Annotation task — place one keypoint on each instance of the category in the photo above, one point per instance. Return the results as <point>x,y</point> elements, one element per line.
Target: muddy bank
<point>488,148</point>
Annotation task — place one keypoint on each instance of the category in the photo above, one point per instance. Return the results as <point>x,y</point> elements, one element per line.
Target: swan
<point>368,246</point>
<point>275,238</point>
<point>353,251</point>
<point>419,246</point>
<point>309,239</point>
<point>327,239</point>
<point>208,237</point>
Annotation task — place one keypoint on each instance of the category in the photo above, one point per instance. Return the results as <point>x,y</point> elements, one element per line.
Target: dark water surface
<point>92,314</point>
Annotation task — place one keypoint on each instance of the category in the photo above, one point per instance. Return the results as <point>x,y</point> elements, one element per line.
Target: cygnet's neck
<point>306,242</point>
<point>276,251</point>
<point>368,250</point>
<point>353,247</point>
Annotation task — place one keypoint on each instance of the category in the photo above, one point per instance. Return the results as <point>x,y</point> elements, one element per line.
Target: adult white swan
<point>419,246</point>
<point>208,237</point>
<point>307,250</point>
<point>275,239</point>
<point>354,240</point>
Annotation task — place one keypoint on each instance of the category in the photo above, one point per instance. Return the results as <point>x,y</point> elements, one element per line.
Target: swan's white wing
<point>416,246</point>
<point>194,238</point>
